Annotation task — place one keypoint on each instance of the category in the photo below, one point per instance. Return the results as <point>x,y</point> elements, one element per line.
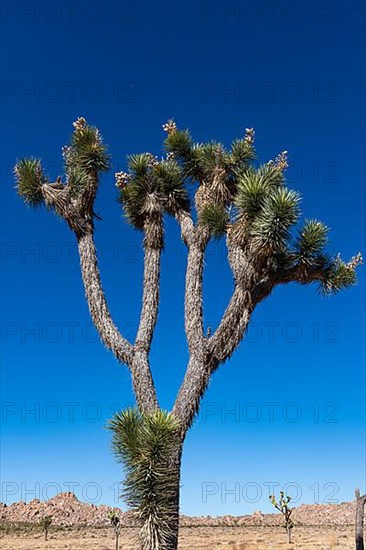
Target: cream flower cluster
<point>122,179</point>
<point>153,160</point>
<point>355,261</point>
<point>249,136</point>
<point>170,126</point>
<point>281,161</point>
<point>65,151</point>
<point>79,124</point>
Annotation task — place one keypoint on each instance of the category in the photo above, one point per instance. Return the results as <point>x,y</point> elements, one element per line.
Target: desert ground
<point>78,525</point>
<point>191,538</point>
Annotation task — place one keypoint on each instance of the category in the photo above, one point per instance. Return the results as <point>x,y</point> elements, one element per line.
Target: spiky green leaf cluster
<point>255,186</point>
<point>312,239</point>
<point>212,155</point>
<point>181,144</point>
<point>267,206</point>
<point>252,192</point>
<point>309,248</point>
<point>154,187</point>
<point>144,443</point>
<point>199,160</point>
<point>29,179</point>
<point>338,276</point>
<point>215,218</point>
<point>280,211</point>
<point>77,179</point>
<point>85,158</point>
<point>174,196</point>
<point>87,150</point>
<point>242,152</point>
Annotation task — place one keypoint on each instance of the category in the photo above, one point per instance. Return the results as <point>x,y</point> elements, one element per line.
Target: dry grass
<point>191,538</point>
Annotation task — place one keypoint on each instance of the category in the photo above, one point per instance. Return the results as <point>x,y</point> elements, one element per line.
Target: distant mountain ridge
<point>67,510</point>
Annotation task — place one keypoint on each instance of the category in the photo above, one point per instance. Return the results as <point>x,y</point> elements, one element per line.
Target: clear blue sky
<point>294,72</point>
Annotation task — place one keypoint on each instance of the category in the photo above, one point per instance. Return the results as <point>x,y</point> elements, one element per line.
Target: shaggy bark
<point>97,303</point>
<point>175,465</point>
<point>193,308</point>
<point>140,367</point>
<point>150,299</point>
<point>359,528</point>
<point>143,383</point>
<point>153,244</point>
<point>189,395</point>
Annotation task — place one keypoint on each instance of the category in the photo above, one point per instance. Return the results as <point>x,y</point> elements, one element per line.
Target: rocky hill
<point>67,510</point>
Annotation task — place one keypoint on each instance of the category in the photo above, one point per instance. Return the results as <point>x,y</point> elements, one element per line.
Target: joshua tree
<point>211,192</point>
<point>45,524</point>
<point>116,524</point>
<point>282,506</point>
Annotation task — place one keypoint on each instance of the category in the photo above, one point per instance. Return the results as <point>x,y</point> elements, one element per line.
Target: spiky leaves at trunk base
<point>145,444</point>
<point>249,205</point>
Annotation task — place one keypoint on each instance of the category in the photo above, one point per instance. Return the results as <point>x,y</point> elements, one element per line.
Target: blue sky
<point>291,70</point>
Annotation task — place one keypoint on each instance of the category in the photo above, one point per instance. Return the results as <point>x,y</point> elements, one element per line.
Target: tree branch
<point>191,391</point>
<point>193,307</point>
<point>141,373</point>
<point>151,284</point>
<point>196,239</point>
<point>298,274</point>
<point>186,226</point>
<point>97,303</point>
<point>232,326</point>
<point>187,399</point>
<point>237,314</point>
<point>143,383</point>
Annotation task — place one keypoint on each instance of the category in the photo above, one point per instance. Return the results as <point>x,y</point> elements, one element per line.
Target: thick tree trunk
<point>164,536</point>
<point>360,510</point>
<point>172,543</point>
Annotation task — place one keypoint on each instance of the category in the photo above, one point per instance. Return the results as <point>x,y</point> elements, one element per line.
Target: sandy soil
<point>191,538</point>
